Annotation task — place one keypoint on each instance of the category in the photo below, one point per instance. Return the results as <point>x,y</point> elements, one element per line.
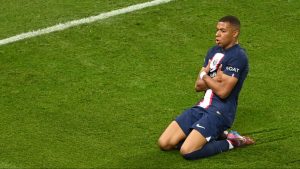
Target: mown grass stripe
<point>87,20</point>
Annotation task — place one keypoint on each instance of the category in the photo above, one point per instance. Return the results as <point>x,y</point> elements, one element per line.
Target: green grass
<point>24,15</point>
<point>99,95</point>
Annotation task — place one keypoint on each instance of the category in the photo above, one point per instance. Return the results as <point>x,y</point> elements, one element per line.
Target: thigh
<point>193,142</point>
<point>210,126</point>
<point>173,133</point>
<point>187,119</point>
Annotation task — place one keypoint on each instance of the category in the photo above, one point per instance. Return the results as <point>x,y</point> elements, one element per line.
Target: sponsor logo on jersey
<point>232,69</point>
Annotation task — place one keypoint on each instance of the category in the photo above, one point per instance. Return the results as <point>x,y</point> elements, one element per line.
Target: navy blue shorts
<point>210,125</point>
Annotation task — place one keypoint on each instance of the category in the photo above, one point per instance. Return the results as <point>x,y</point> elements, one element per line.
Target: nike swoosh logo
<point>197,125</point>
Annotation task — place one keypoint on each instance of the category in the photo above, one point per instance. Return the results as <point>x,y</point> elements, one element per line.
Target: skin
<point>221,85</point>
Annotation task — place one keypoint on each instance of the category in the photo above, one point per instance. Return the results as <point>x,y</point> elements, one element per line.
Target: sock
<point>209,149</point>
<point>230,145</point>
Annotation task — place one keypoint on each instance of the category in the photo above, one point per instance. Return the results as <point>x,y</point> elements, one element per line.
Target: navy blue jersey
<point>234,63</point>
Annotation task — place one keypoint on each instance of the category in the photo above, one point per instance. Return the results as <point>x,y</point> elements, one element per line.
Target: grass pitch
<point>99,95</point>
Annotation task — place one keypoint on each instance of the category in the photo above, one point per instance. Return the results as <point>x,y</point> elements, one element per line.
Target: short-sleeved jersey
<point>234,63</point>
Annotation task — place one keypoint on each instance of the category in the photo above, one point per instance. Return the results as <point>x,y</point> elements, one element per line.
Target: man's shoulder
<point>242,51</point>
<point>239,53</point>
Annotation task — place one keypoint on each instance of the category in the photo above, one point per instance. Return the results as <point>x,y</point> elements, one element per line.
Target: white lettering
<point>232,69</point>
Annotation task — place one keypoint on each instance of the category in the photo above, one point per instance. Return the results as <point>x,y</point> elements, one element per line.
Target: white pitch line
<point>69,24</point>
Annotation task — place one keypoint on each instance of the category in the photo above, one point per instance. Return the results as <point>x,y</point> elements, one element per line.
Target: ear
<point>236,33</point>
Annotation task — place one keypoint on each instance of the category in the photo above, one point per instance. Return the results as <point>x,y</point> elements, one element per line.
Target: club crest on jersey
<point>216,60</point>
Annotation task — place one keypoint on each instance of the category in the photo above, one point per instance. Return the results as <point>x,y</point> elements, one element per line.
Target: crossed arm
<point>221,84</point>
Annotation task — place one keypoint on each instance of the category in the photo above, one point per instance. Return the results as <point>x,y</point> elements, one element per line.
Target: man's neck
<point>231,45</point>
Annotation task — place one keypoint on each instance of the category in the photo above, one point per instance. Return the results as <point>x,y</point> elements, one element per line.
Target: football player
<point>197,130</point>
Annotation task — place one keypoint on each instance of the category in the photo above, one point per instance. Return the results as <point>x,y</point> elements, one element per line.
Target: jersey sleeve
<point>235,66</point>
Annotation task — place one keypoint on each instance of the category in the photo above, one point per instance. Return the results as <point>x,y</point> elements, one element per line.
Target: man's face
<point>226,35</point>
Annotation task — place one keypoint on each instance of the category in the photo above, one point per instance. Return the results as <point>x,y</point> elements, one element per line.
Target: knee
<point>188,152</point>
<point>165,144</point>
<point>184,151</point>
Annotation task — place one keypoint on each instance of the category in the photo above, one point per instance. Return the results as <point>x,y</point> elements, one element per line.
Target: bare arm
<point>222,87</point>
<point>200,85</point>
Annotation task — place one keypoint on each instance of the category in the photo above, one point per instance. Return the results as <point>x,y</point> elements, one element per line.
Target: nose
<point>217,33</point>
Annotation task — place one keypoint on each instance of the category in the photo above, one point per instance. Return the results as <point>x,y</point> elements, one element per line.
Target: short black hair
<point>232,20</point>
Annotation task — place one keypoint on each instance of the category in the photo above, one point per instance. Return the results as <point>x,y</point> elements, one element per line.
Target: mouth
<point>217,41</point>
